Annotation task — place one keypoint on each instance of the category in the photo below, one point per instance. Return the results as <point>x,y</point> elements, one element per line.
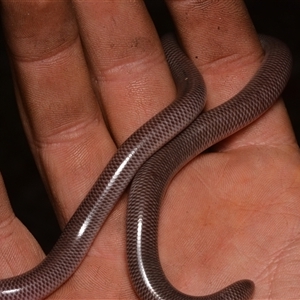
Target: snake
<point>162,145</point>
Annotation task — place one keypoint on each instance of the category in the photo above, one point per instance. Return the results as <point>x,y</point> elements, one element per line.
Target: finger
<point>221,40</point>
<point>60,112</point>
<point>210,32</point>
<point>127,62</point>
<point>19,250</point>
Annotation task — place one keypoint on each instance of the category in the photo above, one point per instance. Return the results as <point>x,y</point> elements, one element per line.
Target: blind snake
<point>198,132</point>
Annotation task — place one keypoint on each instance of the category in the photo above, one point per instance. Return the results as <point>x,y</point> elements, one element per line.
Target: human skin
<point>88,74</point>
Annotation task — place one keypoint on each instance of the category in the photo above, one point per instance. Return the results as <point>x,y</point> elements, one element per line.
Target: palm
<point>224,216</point>
<point>228,215</point>
<point>234,222</point>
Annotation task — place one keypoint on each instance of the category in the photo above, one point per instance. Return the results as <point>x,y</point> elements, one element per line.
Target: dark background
<point>279,18</point>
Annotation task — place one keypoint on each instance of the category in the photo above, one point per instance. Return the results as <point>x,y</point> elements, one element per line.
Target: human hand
<point>240,216</point>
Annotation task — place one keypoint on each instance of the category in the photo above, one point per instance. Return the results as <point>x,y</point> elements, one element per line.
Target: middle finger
<point>127,62</point>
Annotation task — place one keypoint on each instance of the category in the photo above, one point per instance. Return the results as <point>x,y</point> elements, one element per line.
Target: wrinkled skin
<point>87,76</point>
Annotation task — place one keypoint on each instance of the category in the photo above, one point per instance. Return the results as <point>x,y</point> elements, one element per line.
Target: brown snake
<point>151,180</point>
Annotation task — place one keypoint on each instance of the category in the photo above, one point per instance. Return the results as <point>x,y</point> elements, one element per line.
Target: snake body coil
<point>207,129</point>
<point>151,181</point>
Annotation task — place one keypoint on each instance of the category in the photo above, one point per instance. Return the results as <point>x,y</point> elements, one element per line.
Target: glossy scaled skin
<point>81,230</point>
